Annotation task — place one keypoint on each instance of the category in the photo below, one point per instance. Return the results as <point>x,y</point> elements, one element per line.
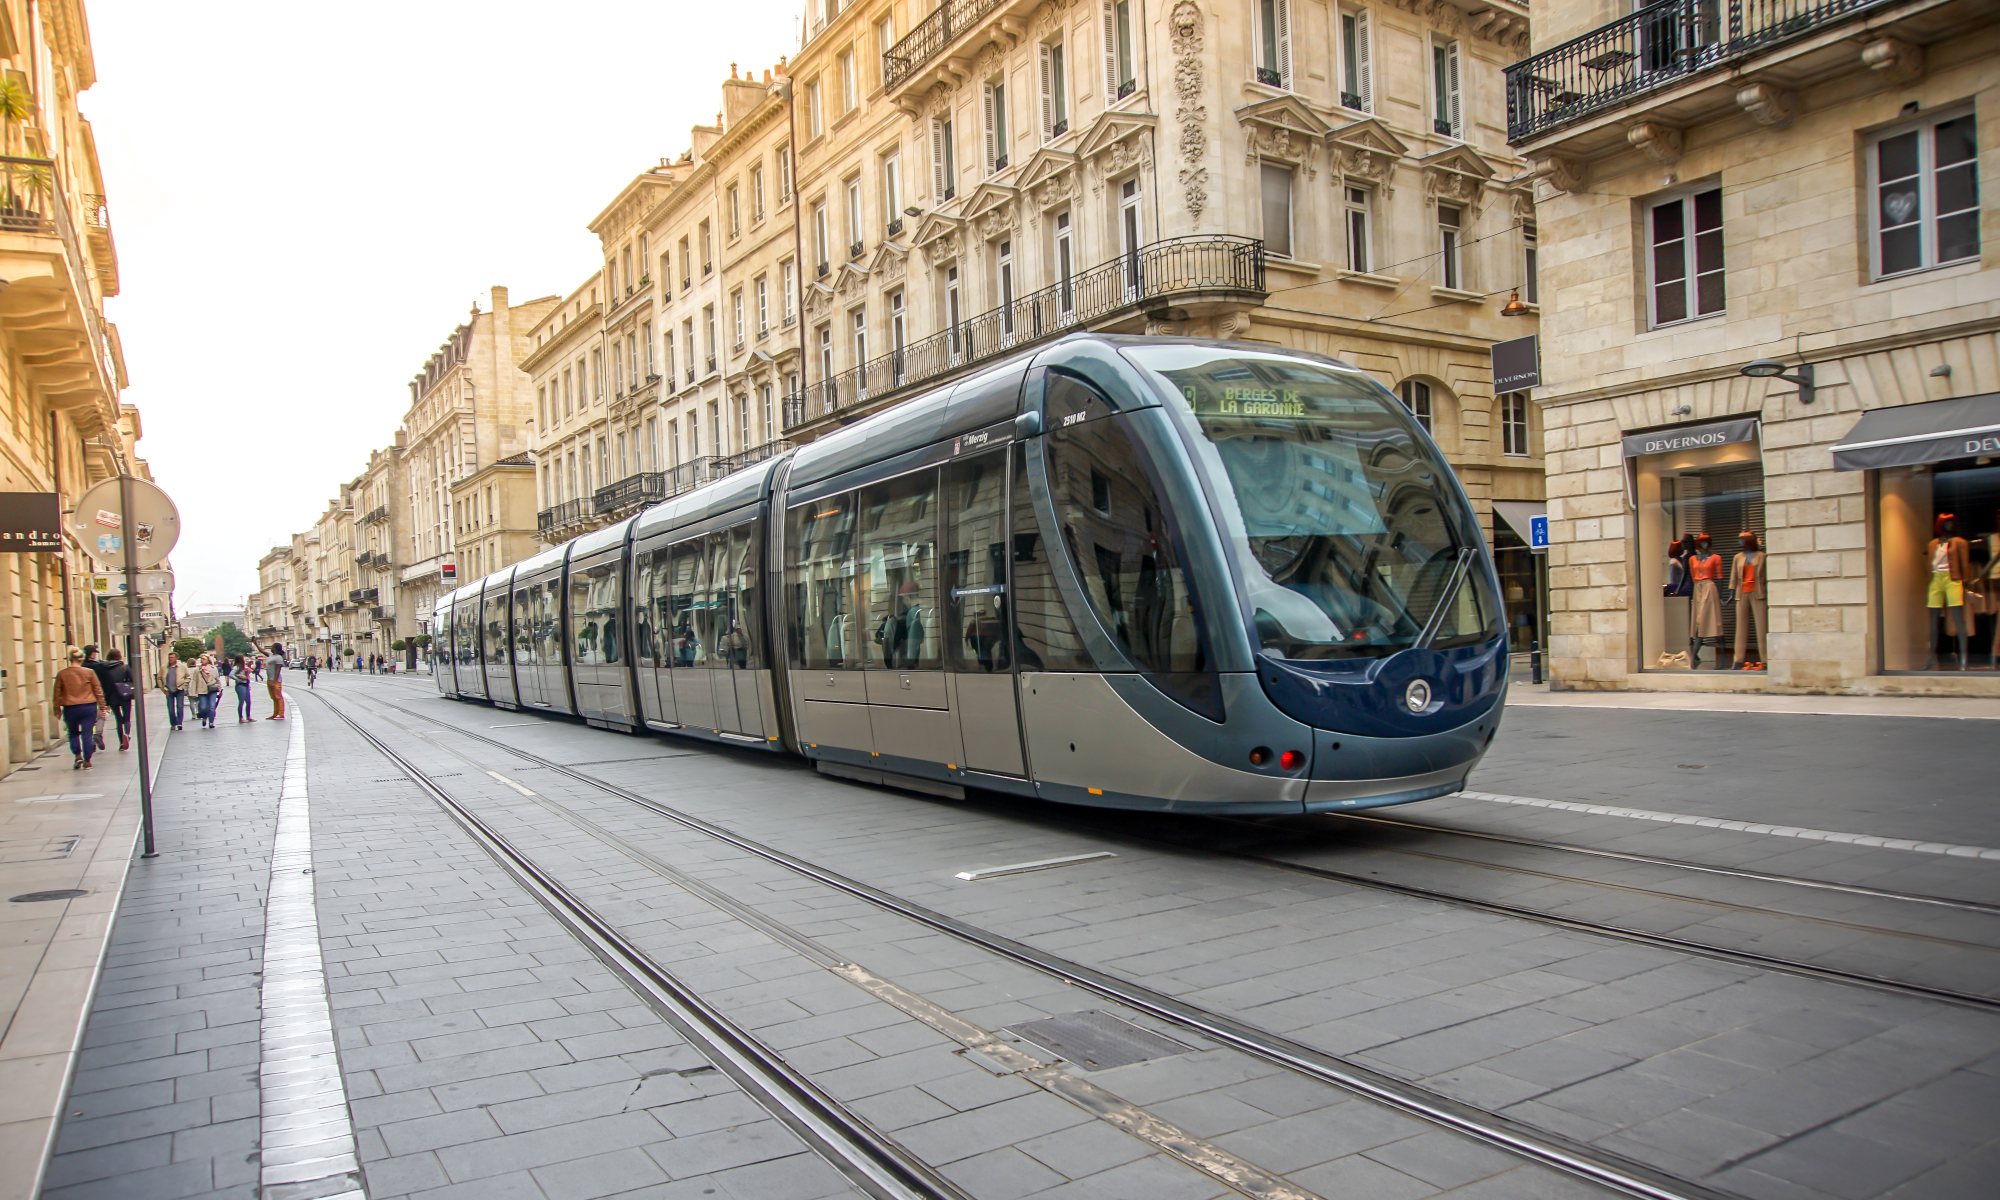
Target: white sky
<point>307,203</point>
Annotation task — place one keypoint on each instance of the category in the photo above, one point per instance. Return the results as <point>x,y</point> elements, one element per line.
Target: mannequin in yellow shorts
<point>1746,585</point>
<point>1951,566</point>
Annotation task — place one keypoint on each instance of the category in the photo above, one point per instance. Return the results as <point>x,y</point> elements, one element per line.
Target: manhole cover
<point>58,894</point>
<point>1097,1040</point>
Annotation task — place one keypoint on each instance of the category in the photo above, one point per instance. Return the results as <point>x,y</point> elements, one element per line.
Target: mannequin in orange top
<point>1951,567</point>
<point>1705,615</point>
<point>1746,584</point>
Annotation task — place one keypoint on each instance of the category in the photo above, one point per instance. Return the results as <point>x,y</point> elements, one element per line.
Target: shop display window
<point>1701,582</point>
<point>1938,565</point>
<point>1520,587</point>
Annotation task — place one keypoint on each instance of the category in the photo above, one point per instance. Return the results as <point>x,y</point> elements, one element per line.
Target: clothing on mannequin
<point>1746,584</point>
<point>1705,567</point>
<point>1678,581</point>
<point>1951,569</point>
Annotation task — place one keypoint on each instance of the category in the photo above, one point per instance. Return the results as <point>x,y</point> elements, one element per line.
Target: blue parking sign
<point>1538,533</point>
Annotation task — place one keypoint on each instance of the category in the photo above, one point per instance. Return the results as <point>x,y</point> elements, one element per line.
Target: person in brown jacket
<point>78,698</point>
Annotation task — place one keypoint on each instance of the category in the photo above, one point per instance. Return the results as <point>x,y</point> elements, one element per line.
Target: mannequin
<point>1989,589</point>
<point>1951,567</point>
<point>1746,583</point>
<point>1705,621</point>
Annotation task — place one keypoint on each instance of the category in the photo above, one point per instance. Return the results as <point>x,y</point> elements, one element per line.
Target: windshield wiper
<point>1459,571</point>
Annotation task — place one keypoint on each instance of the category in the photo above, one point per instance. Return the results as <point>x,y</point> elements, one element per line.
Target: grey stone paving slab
<point>1347,944</point>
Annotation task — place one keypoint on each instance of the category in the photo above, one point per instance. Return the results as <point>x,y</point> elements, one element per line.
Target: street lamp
<point>1514,307</point>
<point>1771,368</point>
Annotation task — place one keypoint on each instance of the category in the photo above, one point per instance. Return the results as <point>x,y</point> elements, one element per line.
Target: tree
<point>234,641</point>
<point>188,649</point>
<point>399,645</point>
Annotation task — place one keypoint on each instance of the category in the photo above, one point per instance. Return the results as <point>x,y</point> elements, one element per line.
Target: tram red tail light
<point>1291,760</point>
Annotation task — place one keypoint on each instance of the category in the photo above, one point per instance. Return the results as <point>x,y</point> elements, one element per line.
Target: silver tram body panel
<point>968,589</point>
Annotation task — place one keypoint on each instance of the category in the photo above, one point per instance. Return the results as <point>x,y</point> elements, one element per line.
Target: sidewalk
<point>61,831</point>
<point>1970,708</point>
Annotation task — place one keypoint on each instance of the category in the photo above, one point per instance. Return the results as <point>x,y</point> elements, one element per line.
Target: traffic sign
<point>100,523</point>
<point>1538,533</point>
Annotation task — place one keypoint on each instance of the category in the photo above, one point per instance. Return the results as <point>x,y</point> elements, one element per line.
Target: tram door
<point>978,651</point>
<point>902,636</point>
<point>649,633</point>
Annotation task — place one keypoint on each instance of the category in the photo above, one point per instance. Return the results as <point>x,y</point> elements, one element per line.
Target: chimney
<point>499,299</point>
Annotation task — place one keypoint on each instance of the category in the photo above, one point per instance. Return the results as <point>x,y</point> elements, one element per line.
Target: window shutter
<point>938,182</point>
<point>1048,95</point>
<point>1364,71</point>
<point>1451,89</point>
<point>992,152</point>
<point>1283,15</point>
<point>1111,80</point>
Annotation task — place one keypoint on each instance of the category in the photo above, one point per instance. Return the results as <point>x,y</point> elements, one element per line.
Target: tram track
<point>1599,1166</point>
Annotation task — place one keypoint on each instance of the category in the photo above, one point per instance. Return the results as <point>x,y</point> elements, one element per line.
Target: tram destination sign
<point>30,522</point>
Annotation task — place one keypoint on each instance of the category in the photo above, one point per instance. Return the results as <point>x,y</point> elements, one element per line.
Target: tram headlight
<point>1418,695</point>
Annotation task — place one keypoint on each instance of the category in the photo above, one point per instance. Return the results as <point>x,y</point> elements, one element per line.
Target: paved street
<point>1707,1034</point>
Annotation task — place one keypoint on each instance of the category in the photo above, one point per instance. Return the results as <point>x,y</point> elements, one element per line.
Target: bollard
<point>1534,662</point>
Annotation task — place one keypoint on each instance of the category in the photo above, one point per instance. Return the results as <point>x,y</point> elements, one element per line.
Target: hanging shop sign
<point>1517,364</point>
<point>30,521</point>
<point>1691,437</point>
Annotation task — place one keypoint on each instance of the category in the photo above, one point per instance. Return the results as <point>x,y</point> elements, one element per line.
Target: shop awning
<point>1691,437</point>
<point>1910,434</point>
<point>1517,512</point>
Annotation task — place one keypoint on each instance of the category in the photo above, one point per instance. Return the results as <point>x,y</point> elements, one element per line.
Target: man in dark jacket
<point>94,663</point>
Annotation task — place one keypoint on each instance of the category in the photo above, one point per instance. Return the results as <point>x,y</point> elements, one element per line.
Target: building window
<point>786,284</point>
<point>707,249</point>
<point>735,212</point>
<point>756,194</point>
<point>1131,226</point>
<point>1277,209</point>
<point>815,113</point>
<point>951,310</point>
<point>1924,184</point>
<point>708,333</point>
<point>944,172</point>
<point>652,443</point>
<point>1119,80</point>
<point>763,286</point>
<point>898,332</point>
<point>996,127</point>
<point>784,174</point>
<point>885,41</point>
<point>736,318</point>
<point>1274,43</point>
<point>1417,398</point>
<point>1055,99</point>
<point>764,396</point>
<point>859,317</point>
<point>1450,243</point>
<point>646,335</point>
<point>848,88</point>
<point>1531,278</point>
<point>687,340</point>
<point>542,405</point>
<point>596,375</point>
<point>826,351</point>
<point>855,240</point>
<point>1685,235</point>
<point>822,243</point>
<point>674,441</point>
<point>892,192</point>
<point>1446,109</point>
<point>1003,276</point>
<point>1065,256</point>
<point>1514,424</point>
<point>687,266</point>
<point>1357,83</point>
<point>669,336</point>
<point>1359,243</point>
<point>742,421</point>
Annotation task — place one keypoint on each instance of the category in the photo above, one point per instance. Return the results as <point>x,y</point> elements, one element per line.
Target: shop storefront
<point>1934,487</point>
<point>1698,495</point>
<point>1523,577</point>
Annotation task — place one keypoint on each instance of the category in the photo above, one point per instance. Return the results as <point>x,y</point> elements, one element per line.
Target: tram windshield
<point>1351,538</point>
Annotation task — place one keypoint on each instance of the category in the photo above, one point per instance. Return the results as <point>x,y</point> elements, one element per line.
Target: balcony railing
<point>379,513</point>
<point>753,456</point>
<point>1177,267</point>
<point>383,612</point>
<point>358,595</point>
<point>1650,49</point>
<point>27,195</point>
<point>930,37</point>
<point>647,487</point>
<point>569,512</point>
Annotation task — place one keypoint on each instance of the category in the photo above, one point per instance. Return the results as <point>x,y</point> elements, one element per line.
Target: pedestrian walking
<point>312,670</point>
<point>208,690</point>
<point>240,672</point>
<point>176,686</point>
<point>274,679</point>
<point>257,665</point>
<point>77,699</point>
<point>119,689</point>
<point>93,663</point>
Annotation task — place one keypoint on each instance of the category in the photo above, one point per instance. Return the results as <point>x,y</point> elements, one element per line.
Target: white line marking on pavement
<point>1790,831</point>
<point>510,783</point>
<point>308,1137</point>
<point>522,725</point>
<point>1040,864</point>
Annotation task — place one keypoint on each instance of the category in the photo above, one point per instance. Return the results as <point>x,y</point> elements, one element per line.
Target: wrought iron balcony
<point>27,195</point>
<point>1650,49</point>
<point>930,37</point>
<point>379,513</point>
<point>754,455</point>
<point>568,513</point>
<point>633,491</point>
<point>358,595</point>
<point>383,612</point>
<point>1170,271</point>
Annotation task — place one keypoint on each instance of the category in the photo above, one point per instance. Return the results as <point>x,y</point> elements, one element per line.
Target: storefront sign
<point>1691,437</point>
<point>30,521</point>
<point>1910,435</point>
<point>1517,365</point>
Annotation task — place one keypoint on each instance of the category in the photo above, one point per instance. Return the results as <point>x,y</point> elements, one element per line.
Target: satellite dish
<point>102,525</point>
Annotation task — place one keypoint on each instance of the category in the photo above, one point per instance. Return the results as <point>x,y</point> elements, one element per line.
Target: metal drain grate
<point>28,850</point>
<point>1097,1040</point>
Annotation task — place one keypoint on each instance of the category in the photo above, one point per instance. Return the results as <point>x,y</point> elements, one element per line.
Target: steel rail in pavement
<point>1553,1150</point>
<point>873,1161</point>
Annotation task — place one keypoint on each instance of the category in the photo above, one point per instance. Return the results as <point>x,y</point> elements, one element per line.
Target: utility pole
<point>134,622</point>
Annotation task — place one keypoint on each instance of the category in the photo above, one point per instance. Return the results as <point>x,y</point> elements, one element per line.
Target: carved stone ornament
<point>1767,104</point>
<point>1049,18</point>
<point>1561,172</point>
<point>1368,152</point>
<point>1661,143</point>
<point>1282,127</point>
<point>996,221</point>
<point>1184,27</point>
<point>819,298</point>
<point>1894,60</point>
<point>1456,175</point>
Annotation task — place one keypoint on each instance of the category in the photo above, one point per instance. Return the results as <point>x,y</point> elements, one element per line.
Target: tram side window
<point>524,628</point>
<point>583,629</point>
<point>683,603</point>
<point>745,555</point>
<point>975,581</point>
<point>497,638</point>
<point>645,580</point>
<point>899,574</point>
<point>1045,636</point>
<point>714,610</point>
<point>820,585</point>
<point>1115,526</point>
<point>605,599</point>
<point>548,626</point>
<point>466,618</point>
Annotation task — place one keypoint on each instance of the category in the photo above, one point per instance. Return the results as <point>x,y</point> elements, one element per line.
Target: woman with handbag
<point>77,698</point>
<point>240,672</point>
<point>208,691</point>
<point>119,690</point>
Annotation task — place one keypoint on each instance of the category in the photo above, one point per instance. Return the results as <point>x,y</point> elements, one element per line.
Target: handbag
<point>122,690</point>
<point>1675,661</point>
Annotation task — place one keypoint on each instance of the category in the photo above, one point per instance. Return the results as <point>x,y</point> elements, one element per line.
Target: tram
<point>1128,572</point>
